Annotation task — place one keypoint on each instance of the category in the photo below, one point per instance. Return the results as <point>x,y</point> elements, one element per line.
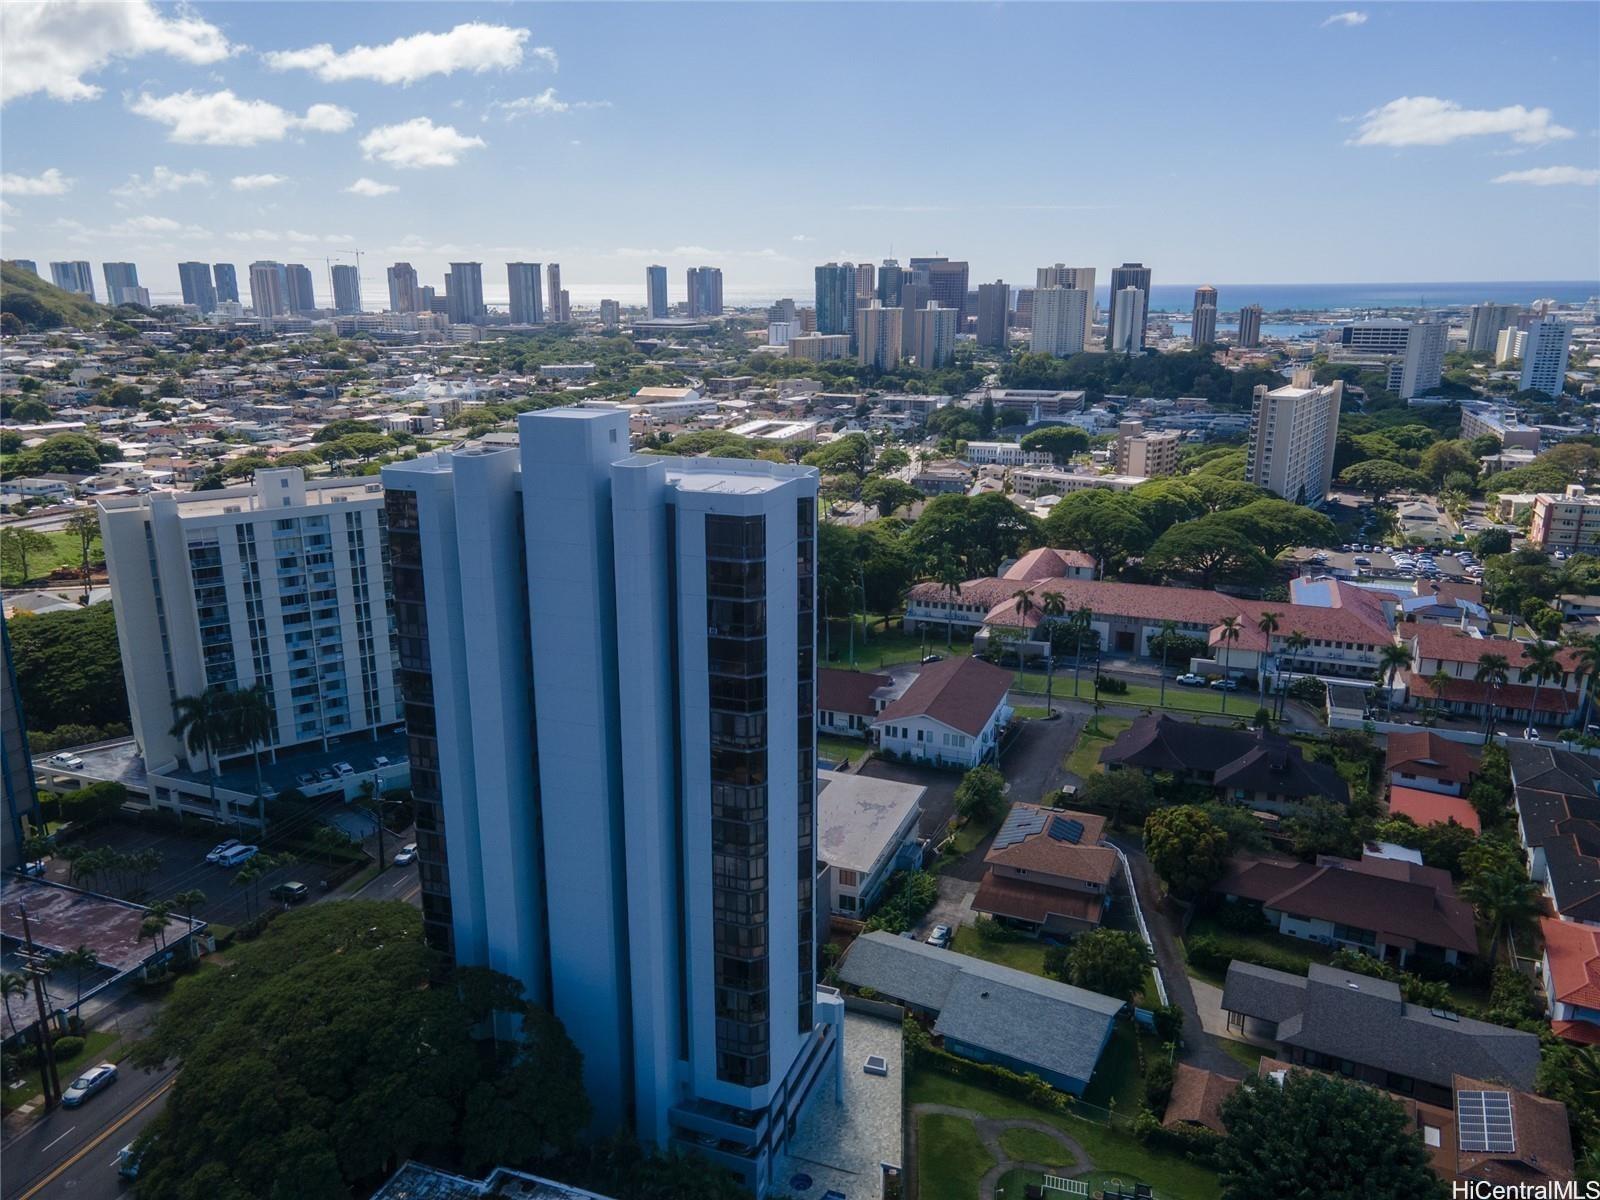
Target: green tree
<point>78,961</point>
<point>69,668</point>
<point>1061,442</point>
<point>13,988</point>
<point>1494,671</point>
<point>1121,795</point>
<point>251,724</point>
<point>1378,478</point>
<point>351,1045</point>
<point>1322,827</point>
<point>1445,458</point>
<point>1188,850</point>
<point>1276,525</point>
<point>1504,898</point>
<point>1109,961</point>
<point>888,494</point>
<point>86,528</point>
<point>1311,1135</point>
<point>1543,666</point>
<point>1104,524</point>
<point>980,796</point>
<point>17,546</point>
<point>204,723</point>
<point>1208,549</point>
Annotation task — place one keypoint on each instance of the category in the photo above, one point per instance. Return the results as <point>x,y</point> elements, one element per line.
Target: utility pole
<point>36,967</point>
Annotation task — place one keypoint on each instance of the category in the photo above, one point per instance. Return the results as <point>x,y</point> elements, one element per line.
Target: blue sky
<point>1231,143</point>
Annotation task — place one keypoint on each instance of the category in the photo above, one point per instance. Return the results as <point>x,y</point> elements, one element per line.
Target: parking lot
<point>1362,562</point>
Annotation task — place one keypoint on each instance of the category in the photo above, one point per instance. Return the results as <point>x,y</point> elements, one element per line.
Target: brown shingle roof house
<point>959,692</point>
<point>1046,870</point>
<point>1423,758</point>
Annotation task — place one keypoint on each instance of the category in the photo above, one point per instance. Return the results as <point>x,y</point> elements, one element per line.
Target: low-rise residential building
<point>1005,454</point>
<point>1570,521</point>
<point>1396,910</point>
<point>1445,664</point>
<point>989,1013</point>
<point>951,715</point>
<point>1426,808</point>
<point>1047,871</point>
<point>849,701</point>
<point>1557,798</point>
<point>1034,482</point>
<point>1570,973</point>
<point>866,830</point>
<point>1430,762</point>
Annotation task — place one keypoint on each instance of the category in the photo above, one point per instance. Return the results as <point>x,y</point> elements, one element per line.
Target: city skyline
<point>167,141</point>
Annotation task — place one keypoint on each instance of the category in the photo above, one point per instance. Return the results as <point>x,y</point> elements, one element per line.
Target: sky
<point>1230,143</point>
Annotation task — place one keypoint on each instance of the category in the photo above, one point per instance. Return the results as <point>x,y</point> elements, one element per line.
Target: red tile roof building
<point>951,715</point>
<point>1572,979</point>
<point>1433,808</point>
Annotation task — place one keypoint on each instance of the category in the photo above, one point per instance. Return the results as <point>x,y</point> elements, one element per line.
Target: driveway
<point>952,908</point>
<point>938,802</point>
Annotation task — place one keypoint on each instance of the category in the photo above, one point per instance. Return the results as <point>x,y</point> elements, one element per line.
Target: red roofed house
<point>1572,979</point>
<point>1047,871</point>
<point>849,701</point>
<point>950,716</point>
<point>1435,648</point>
<point>1433,808</point>
<point>1425,760</point>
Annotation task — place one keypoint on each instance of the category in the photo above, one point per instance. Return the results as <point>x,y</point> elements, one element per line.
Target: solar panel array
<point>1020,825</point>
<point>1484,1119</point>
<point>1063,830</point>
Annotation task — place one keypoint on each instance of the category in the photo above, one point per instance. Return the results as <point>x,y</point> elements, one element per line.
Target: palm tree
<point>154,924</point>
<point>950,580</point>
<point>1543,666</point>
<point>1504,899</point>
<point>1054,607</point>
<point>12,985</point>
<point>1295,644</point>
<point>204,722</point>
<point>1441,680</point>
<point>1231,629</point>
<point>78,961</point>
<point>1081,624</point>
<point>1267,623</point>
<point>1586,668</point>
<point>253,726</point>
<point>1391,659</point>
<point>189,901</point>
<point>1169,630</point>
<point>1025,607</point>
<point>1495,671</point>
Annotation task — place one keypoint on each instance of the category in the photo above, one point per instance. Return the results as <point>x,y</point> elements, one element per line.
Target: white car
<point>406,855</point>
<point>237,856</point>
<point>1224,685</point>
<point>1190,679</point>
<point>91,1081</point>
<point>71,761</point>
<point>939,939</point>
<point>344,768</point>
<point>216,853</point>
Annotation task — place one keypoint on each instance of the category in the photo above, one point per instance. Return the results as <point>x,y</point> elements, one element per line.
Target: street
<point>73,1152</point>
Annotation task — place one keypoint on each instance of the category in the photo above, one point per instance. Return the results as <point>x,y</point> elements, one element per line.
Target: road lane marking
<point>103,1135</point>
<point>68,1133</point>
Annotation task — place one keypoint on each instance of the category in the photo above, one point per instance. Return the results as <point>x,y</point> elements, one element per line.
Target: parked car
<point>305,779</point>
<point>931,658</point>
<point>216,852</point>
<point>1190,679</point>
<point>325,776</point>
<point>96,1079</point>
<point>939,939</point>
<point>71,761</point>
<point>344,768</point>
<point>1531,734</point>
<point>128,1160</point>
<point>381,760</point>
<point>238,856</point>
<point>1224,685</point>
<point>34,868</point>
<point>406,855</point>
<point>291,891</point>
<point>1361,560</point>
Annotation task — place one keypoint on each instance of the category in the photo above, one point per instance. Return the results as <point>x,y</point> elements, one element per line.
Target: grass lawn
<point>1114,1152</point>
<point>1118,1078</point>
<point>1029,712</point>
<point>1141,695</point>
<point>950,1158</point>
<point>1031,1146</point>
<point>969,835</point>
<point>1099,733</point>
<point>97,1047</point>
<point>1283,953</point>
<point>1023,955</point>
<point>886,647</point>
<point>836,748</point>
<point>64,551</point>
<point>1243,1053</point>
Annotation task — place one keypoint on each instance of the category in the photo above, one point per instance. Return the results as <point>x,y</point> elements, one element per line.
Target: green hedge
<point>921,1052</point>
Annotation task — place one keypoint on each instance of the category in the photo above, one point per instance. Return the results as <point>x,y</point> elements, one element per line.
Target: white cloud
<point>370,187</point>
<point>474,47</point>
<point>162,179</point>
<point>1551,176</point>
<point>899,208</point>
<point>544,104</point>
<point>1349,19</point>
<point>223,119</point>
<point>802,237</point>
<point>255,183</point>
<point>417,143</point>
<point>51,46</point>
<point>1430,121</point>
<point>295,236</point>
<point>7,210</point>
<point>51,182</point>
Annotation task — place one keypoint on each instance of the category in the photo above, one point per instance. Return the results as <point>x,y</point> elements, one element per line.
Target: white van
<point>237,856</point>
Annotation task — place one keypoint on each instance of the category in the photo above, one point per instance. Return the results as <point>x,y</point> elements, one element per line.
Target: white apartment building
<point>1061,320</point>
<point>609,666</point>
<point>1544,357</point>
<point>1005,454</point>
<point>1292,435</point>
<point>931,338</point>
<point>1052,481</point>
<point>1412,351</point>
<point>1486,320</point>
<point>1127,321</point>
<point>820,347</point>
<point>281,583</point>
<point>1570,521</point>
<point>1485,420</point>
<point>1508,346</point>
<point>878,331</point>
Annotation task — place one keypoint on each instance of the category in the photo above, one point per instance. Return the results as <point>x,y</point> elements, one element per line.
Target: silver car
<point>96,1079</point>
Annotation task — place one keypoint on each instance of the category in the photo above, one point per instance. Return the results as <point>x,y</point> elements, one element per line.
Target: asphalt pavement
<point>72,1152</point>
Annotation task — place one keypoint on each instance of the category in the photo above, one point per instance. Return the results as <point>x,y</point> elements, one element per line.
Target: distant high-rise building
<point>655,289</point>
<point>610,314</point>
<point>1147,453</point>
<point>866,286</point>
<point>404,294</point>
<point>947,283</point>
<point>1486,322</point>
<point>1060,321</point>
<point>1071,278</point>
<point>610,686</point>
<point>1544,356</point>
<point>552,275</point>
<point>878,336</point>
<point>1293,430</point>
<point>783,310</point>
<point>428,299</point>
<point>269,289</point>
<point>227,282</point>
<point>933,335</point>
<point>464,290</point>
<point>1127,320</point>
<point>889,279</point>
<point>994,314</point>
<point>1134,275</point>
<point>808,319</point>
<point>1249,327</point>
<point>122,282</point>
<point>195,280</point>
<point>1509,345</point>
<point>346,289</point>
<point>302,295</point>
<point>566,305</point>
<point>705,291</point>
<point>26,264</point>
<point>1022,316</point>
<point>74,276</point>
<point>1203,324</point>
<point>1412,351</point>
<point>836,298</point>
<point>526,284</point>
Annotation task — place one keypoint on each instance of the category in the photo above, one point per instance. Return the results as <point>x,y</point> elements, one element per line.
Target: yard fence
<point>1144,929</point>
